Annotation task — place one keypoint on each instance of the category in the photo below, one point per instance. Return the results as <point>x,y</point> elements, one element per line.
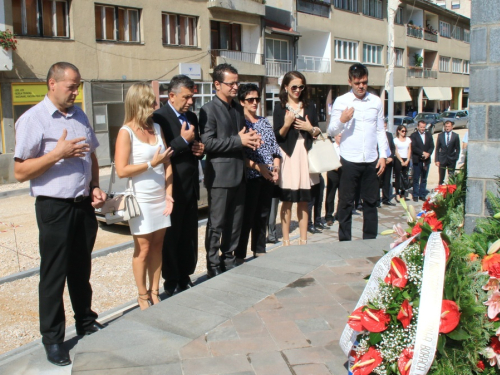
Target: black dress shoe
<point>169,287</point>
<point>268,240</point>
<point>330,222</point>
<point>321,226</point>
<point>388,203</point>
<point>415,199</point>
<point>213,271</point>
<point>311,229</point>
<point>90,329</point>
<point>57,355</point>
<point>185,286</point>
<point>422,198</point>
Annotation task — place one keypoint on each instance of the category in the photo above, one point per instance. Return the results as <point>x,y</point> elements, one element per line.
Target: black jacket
<point>418,148</point>
<point>184,163</point>
<point>392,146</point>
<point>447,154</point>
<point>225,158</point>
<point>288,142</point>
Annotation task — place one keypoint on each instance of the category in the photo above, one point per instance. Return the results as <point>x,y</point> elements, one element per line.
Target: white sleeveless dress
<point>149,186</point>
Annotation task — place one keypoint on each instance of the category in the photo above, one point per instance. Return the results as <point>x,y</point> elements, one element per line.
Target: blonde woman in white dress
<point>141,155</point>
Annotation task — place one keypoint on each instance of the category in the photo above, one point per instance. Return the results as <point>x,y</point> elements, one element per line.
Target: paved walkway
<point>278,314</point>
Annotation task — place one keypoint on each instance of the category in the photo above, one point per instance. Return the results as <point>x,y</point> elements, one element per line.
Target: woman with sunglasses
<point>295,124</point>
<point>401,165</point>
<point>262,169</point>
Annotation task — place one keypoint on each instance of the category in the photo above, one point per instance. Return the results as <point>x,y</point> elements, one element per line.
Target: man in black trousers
<point>422,146</point>
<point>447,151</point>
<point>332,185</point>
<point>180,128</point>
<point>359,116</point>
<point>386,177</point>
<point>222,128</point>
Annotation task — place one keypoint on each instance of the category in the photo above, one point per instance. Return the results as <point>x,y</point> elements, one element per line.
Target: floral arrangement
<point>7,40</point>
<point>470,322</point>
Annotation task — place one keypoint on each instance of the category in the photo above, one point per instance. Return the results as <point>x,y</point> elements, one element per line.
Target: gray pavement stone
<point>494,120</point>
<point>216,365</point>
<point>494,43</point>
<point>222,334</point>
<point>477,130</point>
<point>194,299</point>
<point>479,45</point>
<point>312,325</point>
<point>255,271</point>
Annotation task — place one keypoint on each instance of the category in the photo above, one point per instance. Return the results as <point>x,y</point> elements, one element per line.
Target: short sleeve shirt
<point>37,133</point>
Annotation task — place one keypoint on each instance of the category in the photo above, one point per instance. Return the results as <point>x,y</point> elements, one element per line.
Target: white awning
<point>433,93</point>
<point>446,93</point>
<point>401,94</point>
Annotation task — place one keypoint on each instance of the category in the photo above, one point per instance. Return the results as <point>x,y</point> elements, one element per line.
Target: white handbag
<point>322,156</point>
<point>120,207</point>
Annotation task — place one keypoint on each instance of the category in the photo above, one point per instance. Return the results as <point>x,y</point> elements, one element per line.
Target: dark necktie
<point>183,118</point>
<point>447,138</point>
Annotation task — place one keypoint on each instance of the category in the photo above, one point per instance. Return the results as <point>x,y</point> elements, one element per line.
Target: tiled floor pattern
<point>295,331</point>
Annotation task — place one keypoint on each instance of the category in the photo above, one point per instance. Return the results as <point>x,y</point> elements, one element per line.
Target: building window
<point>372,8</point>
<point>346,50</point>
<point>399,16</point>
<point>466,67</point>
<point>456,66</point>
<point>46,18</point>
<point>276,49</point>
<point>466,36</point>
<point>179,30</point>
<point>225,35</point>
<point>116,23</point>
<point>455,5</point>
<point>444,64</point>
<point>398,56</point>
<point>372,54</point>
<point>444,29</point>
<point>350,5</point>
<point>457,33</point>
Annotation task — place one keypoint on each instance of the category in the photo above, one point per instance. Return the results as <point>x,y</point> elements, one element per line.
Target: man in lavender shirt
<point>55,150</point>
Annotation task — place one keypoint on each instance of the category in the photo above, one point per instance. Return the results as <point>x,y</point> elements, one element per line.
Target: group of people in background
<point>251,165</point>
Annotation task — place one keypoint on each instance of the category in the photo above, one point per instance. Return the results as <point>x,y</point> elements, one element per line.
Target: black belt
<point>77,199</point>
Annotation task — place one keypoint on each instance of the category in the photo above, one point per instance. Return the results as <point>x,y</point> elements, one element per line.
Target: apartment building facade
<point>118,42</point>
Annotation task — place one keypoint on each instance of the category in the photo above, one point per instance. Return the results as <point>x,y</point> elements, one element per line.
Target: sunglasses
<point>231,84</point>
<point>402,131</point>
<point>252,100</point>
<point>300,88</point>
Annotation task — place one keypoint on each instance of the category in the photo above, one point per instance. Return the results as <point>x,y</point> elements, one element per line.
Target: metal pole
<point>392,8</point>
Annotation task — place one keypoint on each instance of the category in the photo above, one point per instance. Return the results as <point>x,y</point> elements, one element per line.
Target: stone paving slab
<point>278,314</point>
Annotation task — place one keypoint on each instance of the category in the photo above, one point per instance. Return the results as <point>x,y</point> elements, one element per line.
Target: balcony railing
<point>248,57</point>
<point>313,64</point>
<point>430,36</point>
<point>415,72</point>
<point>429,73</point>
<point>277,68</point>
<point>414,31</point>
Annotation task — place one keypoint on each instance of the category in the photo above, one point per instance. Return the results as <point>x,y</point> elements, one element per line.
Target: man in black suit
<point>422,146</point>
<point>386,176</point>
<point>180,127</point>
<point>447,151</point>
<point>222,128</point>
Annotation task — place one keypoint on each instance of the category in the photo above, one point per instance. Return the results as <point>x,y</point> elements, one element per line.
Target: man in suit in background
<point>386,176</point>
<point>222,128</point>
<point>180,128</point>
<point>422,146</point>
<point>447,151</point>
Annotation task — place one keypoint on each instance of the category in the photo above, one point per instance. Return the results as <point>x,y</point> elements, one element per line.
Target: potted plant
<point>7,40</point>
<point>418,60</point>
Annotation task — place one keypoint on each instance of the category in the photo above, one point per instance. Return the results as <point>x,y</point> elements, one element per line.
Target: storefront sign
<point>191,70</point>
<point>32,93</point>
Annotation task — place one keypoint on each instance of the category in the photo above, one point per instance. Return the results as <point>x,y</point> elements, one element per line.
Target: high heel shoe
<point>141,298</point>
<point>154,292</point>
<point>302,242</point>
<point>286,242</point>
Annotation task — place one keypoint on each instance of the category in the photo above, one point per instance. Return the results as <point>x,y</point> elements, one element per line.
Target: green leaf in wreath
<point>375,338</point>
<point>441,344</point>
<point>458,334</point>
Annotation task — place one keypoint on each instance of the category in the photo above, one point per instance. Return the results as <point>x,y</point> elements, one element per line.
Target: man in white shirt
<point>359,115</point>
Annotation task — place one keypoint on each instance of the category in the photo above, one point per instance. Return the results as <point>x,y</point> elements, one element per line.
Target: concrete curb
<point>96,254</point>
<point>14,193</point>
